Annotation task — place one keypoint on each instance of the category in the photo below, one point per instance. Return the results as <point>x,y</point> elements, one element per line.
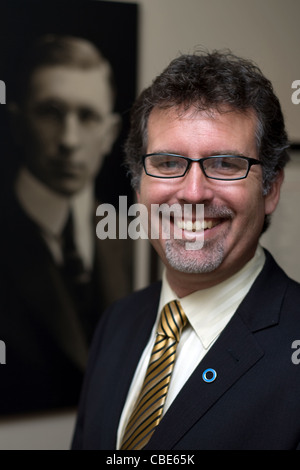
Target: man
<point>56,277</point>
<point>209,131</point>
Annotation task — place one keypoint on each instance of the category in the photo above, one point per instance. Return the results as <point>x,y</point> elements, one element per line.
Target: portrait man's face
<point>67,125</point>
<point>234,211</point>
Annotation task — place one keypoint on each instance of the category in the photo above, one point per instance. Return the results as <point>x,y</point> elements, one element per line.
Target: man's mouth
<point>191,223</point>
<point>198,225</point>
<point>67,167</point>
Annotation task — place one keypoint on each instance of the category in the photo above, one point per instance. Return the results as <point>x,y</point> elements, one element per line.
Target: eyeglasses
<point>221,167</point>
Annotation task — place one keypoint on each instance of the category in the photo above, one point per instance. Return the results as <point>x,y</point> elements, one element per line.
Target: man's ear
<point>273,196</point>
<point>113,124</point>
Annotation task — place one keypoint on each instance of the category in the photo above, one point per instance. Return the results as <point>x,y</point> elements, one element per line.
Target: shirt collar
<point>209,310</point>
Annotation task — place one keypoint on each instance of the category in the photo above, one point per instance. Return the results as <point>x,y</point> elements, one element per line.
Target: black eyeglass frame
<point>250,161</point>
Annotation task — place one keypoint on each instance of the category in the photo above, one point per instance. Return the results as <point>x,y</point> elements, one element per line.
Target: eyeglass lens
<point>221,167</point>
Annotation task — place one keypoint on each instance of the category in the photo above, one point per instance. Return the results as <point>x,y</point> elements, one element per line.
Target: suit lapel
<point>233,354</point>
<point>140,330</point>
<point>39,281</point>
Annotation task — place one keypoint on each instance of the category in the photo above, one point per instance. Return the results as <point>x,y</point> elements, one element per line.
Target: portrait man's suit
<point>46,348</point>
<point>254,403</point>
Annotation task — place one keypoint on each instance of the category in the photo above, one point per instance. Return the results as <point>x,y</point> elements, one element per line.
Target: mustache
<point>218,212</point>
<point>191,210</point>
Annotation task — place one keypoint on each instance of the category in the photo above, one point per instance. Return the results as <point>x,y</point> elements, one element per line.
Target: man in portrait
<point>56,276</point>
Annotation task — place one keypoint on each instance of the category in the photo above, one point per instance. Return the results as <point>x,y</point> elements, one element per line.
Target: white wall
<point>266,31</point>
<point>282,238</point>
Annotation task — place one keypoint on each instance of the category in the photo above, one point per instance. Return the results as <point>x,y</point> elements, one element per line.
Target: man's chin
<point>67,186</point>
<point>204,260</point>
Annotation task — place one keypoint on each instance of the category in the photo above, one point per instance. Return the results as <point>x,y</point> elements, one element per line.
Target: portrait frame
<point>113,28</point>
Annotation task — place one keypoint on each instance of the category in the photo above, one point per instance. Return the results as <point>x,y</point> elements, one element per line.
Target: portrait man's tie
<point>148,410</point>
<point>73,264</point>
<point>78,280</point>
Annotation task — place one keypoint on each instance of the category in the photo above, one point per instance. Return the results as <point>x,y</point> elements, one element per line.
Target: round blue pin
<point>209,375</point>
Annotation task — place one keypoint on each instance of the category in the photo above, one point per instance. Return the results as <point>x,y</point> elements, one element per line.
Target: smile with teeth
<point>196,226</point>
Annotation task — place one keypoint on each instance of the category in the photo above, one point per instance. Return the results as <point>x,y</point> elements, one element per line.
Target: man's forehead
<point>202,132</point>
<point>68,83</point>
<point>169,117</point>
<point>174,112</point>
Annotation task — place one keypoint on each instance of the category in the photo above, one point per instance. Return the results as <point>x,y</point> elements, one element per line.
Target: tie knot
<point>172,320</point>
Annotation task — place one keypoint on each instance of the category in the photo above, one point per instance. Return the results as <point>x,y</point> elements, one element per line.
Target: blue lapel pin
<point>209,375</point>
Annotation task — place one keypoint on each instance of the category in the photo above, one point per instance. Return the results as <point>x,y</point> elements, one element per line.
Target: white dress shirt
<point>208,312</point>
<point>49,210</point>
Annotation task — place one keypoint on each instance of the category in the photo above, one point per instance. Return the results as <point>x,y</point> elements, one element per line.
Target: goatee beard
<point>211,257</point>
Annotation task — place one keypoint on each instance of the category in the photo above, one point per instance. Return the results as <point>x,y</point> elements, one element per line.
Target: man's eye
<point>89,116</point>
<point>169,164</point>
<point>50,112</point>
<point>225,164</point>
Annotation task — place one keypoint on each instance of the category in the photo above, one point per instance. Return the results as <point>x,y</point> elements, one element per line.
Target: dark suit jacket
<point>46,348</point>
<point>254,403</point>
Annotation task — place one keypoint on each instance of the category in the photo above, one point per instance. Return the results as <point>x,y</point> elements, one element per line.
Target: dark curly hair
<point>209,81</point>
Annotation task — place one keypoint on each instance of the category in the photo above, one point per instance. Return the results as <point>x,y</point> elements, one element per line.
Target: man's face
<point>234,211</point>
<point>67,126</point>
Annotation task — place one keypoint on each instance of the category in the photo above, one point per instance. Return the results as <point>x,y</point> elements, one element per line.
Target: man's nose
<point>70,133</point>
<point>195,187</point>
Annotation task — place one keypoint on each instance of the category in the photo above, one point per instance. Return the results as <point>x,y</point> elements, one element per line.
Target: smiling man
<point>234,210</point>
<point>203,358</point>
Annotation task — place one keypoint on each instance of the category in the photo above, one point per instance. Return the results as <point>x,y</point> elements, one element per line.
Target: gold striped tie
<point>147,412</point>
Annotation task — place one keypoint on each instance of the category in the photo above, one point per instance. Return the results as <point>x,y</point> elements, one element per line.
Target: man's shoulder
<point>276,288</point>
<point>146,296</point>
<point>134,307</point>
<point>135,311</point>
<point>272,270</point>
